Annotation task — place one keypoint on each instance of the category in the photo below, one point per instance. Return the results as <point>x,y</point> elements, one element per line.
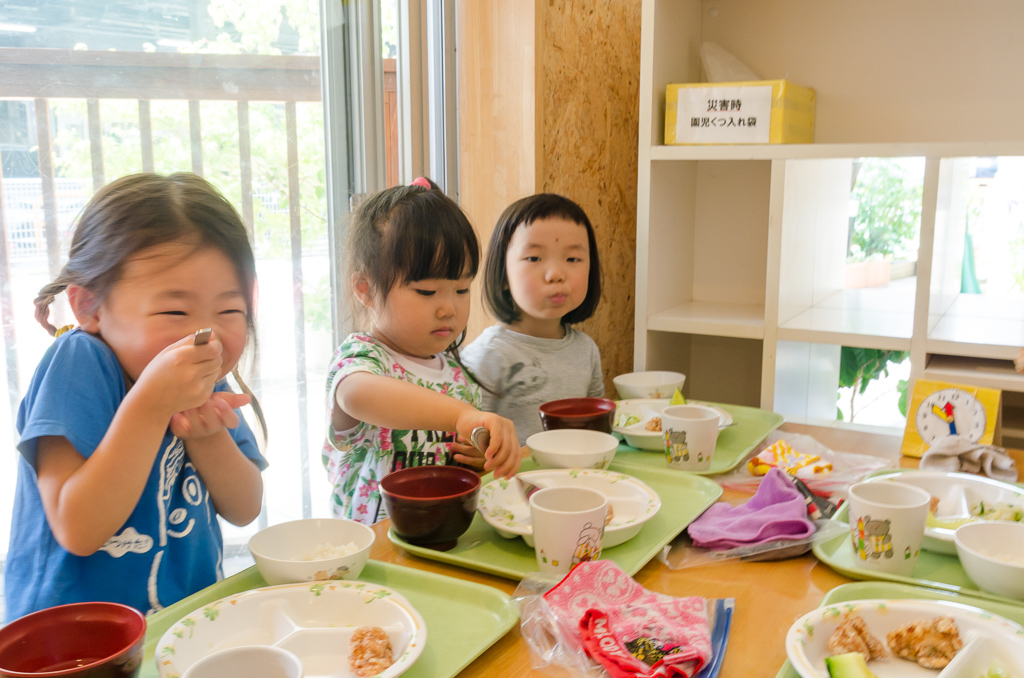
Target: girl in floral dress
<point>397,394</point>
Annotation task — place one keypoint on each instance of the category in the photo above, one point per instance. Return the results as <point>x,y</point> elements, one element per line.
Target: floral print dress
<point>358,458</point>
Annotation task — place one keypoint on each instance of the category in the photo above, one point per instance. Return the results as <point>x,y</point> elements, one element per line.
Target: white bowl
<point>980,546</point>
<point>572,448</point>
<point>282,552</point>
<point>246,661</point>
<point>653,384</point>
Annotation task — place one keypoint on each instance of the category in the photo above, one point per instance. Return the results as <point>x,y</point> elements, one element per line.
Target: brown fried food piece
<point>852,635</point>
<point>929,642</point>
<point>653,424</point>
<point>371,651</point>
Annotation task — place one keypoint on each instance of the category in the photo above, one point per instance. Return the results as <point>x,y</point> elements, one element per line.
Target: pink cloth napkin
<point>777,511</point>
<point>632,632</point>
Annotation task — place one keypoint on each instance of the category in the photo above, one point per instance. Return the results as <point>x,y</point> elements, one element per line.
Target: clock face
<point>950,411</point>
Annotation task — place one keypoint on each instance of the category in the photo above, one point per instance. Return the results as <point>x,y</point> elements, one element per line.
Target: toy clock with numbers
<point>938,410</point>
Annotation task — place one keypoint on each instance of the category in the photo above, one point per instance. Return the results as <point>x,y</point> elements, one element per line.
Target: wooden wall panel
<point>496,85</point>
<point>588,72</point>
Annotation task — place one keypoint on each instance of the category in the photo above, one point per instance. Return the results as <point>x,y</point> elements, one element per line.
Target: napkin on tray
<point>776,511</point>
<point>632,632</point>
<point>955,453</point>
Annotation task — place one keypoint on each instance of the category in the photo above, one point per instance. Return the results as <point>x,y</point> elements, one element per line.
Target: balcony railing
<point>35,212</point>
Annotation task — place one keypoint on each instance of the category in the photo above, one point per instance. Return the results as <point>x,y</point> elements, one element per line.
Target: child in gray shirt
<point>542,276</point>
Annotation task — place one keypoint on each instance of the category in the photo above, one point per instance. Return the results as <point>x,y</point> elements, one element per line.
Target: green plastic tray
<point>937,570</point>
<point>888,591</point>
<point>684,496</point>
<point>463,618</point>
<point>750,427</point>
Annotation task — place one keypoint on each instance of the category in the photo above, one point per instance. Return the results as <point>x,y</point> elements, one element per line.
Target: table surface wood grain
<point>769,596</point>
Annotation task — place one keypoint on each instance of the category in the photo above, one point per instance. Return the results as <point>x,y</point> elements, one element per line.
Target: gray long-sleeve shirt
<point>522,372</point>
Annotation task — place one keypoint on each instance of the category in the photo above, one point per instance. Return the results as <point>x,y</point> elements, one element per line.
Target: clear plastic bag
<point>553,653</point>
<point>681,553</point>
<point>847,467</point>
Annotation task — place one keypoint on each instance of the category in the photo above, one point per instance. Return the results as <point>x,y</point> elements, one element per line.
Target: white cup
<point>690,433</point>
<point>247,661</point>
<point>887,522</point>
<point>568,526</point>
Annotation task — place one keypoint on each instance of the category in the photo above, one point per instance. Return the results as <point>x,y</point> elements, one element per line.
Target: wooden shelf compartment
<point>744,321</point>
<point>987,372</point>
<point>881,318</point>
<point>958,149</point>
<point>814,304</point>
<point>702,265</point>
<point>717,368</point>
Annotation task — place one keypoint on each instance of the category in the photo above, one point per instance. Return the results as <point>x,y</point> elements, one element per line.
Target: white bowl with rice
<point>314,549</point>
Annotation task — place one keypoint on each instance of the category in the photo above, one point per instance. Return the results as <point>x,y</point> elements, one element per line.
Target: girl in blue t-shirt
<point>130,441</point>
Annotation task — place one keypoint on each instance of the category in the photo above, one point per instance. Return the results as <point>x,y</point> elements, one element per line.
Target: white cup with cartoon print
<point>690,433</point>
<point>568,526</point>
<point>887,523</point>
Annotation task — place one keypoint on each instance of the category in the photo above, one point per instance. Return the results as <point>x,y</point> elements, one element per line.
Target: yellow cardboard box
<point>751,112</point>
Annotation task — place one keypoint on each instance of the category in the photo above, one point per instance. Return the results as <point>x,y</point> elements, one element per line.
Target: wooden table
<point>769,596</point>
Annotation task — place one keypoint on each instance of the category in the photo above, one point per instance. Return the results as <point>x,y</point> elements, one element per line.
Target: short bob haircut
<point>523,213</point>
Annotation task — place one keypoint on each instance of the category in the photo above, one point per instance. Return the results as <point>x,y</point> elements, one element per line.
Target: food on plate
<point>780,455</point>
<point>609,514</point>
<point>654,424</point>
<point>677,398</point>
<point>625,420</point>
<point>849,665</point>
<point>329,550</point>
<point>995,670</point>
<point>929,642</point>
<point>1000,510</point>
<point>853,635</point>
<point>370,651</point>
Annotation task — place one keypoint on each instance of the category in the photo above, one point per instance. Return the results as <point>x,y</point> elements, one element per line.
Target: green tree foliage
<point>888,196</point>
<point>859,366</point>
<point>245,28</point>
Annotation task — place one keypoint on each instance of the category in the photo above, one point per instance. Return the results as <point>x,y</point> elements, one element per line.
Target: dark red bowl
<point>84,640</point>
<point>595,414</point>
<point>431,505</point>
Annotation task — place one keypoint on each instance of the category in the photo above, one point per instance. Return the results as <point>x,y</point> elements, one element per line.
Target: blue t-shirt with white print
<point>170,546</point>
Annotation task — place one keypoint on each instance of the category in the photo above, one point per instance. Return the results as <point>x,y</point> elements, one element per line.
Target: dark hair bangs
<point>432,242</point>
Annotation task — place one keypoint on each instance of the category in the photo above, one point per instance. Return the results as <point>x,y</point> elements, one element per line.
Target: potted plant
<point>884,227</point>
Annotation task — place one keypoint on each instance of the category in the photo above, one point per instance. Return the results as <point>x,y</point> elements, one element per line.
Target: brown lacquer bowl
<point>83,640</point>
<point>431,505</point>
<point>595,414</point>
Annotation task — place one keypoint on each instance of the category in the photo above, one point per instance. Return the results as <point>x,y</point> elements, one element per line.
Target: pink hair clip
<point>421,182</point>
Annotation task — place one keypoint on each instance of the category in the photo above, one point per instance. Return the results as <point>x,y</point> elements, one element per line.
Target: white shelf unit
<point>741,249</point>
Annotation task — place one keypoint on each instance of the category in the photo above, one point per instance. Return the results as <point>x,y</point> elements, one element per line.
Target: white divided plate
<point>806,642</point>
<point>313,621</point>
<point>504,505</point>
<point>957,493</point>
<point>638,436</point>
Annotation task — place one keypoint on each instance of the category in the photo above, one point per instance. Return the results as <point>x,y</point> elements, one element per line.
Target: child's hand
<point>181,376</point>
<point>502,454</point>
<point>211,417</point>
